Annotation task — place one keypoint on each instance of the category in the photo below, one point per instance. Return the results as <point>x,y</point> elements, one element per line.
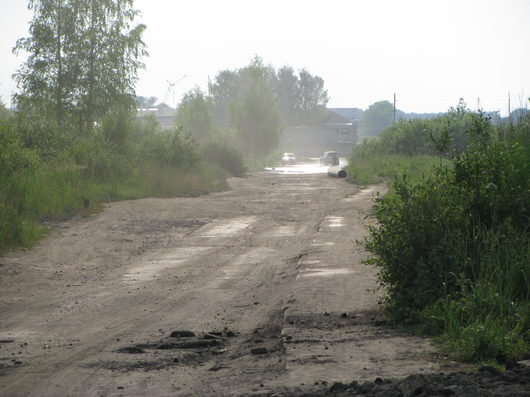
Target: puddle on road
<point>227,228</point>
<point>324,272</point>
<point>299,169</point>
<point>311,166</point>
<point>152,267</point>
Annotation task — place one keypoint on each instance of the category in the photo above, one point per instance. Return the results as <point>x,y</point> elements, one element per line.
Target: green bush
<point>453,249</point>
<point>48,173</point>
<point>224,156</point>
<point>443,135</point>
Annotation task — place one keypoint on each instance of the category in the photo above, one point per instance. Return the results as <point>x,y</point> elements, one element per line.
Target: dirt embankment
<point>255,291</point>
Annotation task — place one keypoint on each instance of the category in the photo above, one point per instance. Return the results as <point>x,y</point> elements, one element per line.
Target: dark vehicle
<point>330,158</point>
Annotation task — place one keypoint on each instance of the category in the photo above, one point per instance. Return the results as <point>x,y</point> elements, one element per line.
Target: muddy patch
<point>486,382</point>
<point>265,340</point>
<point>333,320</point>
<point>180,348</point>
<point>9,363</point>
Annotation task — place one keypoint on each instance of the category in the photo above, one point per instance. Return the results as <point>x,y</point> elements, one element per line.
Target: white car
<point>288,158</point>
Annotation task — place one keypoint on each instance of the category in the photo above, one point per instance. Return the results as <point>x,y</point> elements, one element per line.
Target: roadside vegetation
<point>74,140</point>
<point>452,237</point>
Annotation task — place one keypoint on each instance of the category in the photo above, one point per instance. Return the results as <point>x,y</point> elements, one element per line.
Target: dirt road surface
<point>256,290</point>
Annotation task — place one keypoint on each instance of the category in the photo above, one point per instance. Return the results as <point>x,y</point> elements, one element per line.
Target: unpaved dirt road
<point>266,280</point>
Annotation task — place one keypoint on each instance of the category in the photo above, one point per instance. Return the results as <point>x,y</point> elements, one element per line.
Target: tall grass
<point>364,169</point>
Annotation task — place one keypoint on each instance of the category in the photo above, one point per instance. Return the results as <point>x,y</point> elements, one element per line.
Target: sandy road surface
<point>267,277</point>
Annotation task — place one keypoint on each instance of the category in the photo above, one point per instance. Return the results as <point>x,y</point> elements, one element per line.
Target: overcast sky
<point>430,53</point>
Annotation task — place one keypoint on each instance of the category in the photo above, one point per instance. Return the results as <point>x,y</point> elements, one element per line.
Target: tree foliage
<point>301,97</point>
<point>144,102</point>
<point>4,112</point>
<point>312,97</point>
<point>83,59</point>
<point>225,89</point>
<point>256,116</point>
<point>452,247</point>
<point>194,115</point>
<point>377,117</point>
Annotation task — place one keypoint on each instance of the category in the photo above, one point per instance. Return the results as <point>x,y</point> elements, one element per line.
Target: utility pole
<point>394,107</point>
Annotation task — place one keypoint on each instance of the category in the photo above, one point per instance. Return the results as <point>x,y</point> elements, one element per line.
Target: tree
<point>377,117</point>
<point>313,97</point>
<point>4,112</point>
<point>194,115</point>
<point>225,89</point>
<point>256,116</point>
<point>144,102</point>
<point>301,97</point>
<point>84,58</point>
<point>287,89</point>
<point>47,77</point>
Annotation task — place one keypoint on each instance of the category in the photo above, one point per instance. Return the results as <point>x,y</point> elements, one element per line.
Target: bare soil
<point>256,291</point>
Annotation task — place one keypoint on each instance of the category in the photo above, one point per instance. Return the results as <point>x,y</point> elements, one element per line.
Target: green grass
<point>368,169</point>
<point>32,196</point>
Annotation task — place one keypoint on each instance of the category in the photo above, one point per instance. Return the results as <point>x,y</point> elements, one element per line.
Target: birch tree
<point>84,56</point>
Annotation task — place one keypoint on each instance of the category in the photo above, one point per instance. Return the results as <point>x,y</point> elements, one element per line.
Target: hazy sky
<point>430,53</point>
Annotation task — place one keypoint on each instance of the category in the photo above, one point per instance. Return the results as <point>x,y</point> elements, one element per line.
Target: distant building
<point>164,114</point>
<point>334,132</point>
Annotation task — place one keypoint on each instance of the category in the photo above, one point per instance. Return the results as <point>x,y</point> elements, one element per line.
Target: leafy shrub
<point>443,135</point>
<point>224,156</point>
<point>454,248</point>
<point>15,163</point>
<point>167,147</point>
<point>55,173</point>
<point>98,160</point>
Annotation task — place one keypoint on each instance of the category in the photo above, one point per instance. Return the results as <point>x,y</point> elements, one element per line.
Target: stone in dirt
<point>198,344</point>
<point>182,334</point>
<point>259,350</point>
<point>131,350</point>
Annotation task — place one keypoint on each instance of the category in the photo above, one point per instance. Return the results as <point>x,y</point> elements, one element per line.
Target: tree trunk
<point>59,110</point>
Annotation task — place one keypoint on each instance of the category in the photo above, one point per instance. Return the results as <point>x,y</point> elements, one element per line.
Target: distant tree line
<point>380,115</point>
<point>300,97</point>
<point>248,107</point>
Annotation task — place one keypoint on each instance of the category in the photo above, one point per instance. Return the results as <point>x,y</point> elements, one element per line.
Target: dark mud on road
<point>486,382</point>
